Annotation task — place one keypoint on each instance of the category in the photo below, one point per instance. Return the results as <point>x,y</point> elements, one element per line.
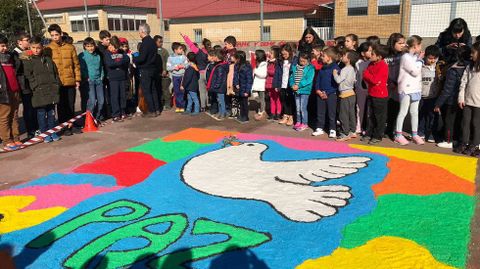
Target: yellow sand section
<point>14,219</point>
<point>380,253</point>
<point>461,166</point>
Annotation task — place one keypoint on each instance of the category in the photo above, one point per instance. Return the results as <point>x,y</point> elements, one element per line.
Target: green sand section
<point>168,151</point>
<point>441,223</point>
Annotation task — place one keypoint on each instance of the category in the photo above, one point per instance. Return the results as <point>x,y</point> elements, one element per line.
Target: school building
<point>283,20</point>
<point>426,18</point>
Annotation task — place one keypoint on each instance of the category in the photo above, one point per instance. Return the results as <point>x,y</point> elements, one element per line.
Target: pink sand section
<point>303,144</point>
<point>58,195</point>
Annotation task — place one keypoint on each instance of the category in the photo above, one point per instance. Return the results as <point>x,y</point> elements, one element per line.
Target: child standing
<point>190,85</point>
<point>9,99</point>
<point>447,101</point>
<point>326,91</point>
<point>346,84</point>
<point>273,90</point>
<point>217,82</point>
<point>258,88</point>
<point>410,90</point>
<point>351,42</point>
<point>431,76</point>
<point>242,81</point>
<point>92,77</point>
<point>376,76</point>
<point>212,97</point>
<point>301,81</point>
<point>117,63</point>
<point>469,101</point>
<point>42,76</point>
<point>176,65</point>
<point>286,94</point>
<point>361,91</point>
<point>396,44</point>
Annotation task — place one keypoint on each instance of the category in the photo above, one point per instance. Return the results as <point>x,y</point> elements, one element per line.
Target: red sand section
<point>408,177</point>
<point>128,168</point>
<point>197,135</point>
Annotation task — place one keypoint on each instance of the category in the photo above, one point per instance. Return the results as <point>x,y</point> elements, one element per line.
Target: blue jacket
<point>217,82</point>
<point>91,66</point>
<point>305,85</point>
<point>117,65</point>
<point>277,78</point>
<point>243,78</point>
<point>190,79</point>
<point>325,81</point>
<point>451,88</point>
<point>173,61</point>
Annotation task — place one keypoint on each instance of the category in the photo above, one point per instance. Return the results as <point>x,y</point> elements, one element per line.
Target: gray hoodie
<point>470,88</point>
<point>346,79</point>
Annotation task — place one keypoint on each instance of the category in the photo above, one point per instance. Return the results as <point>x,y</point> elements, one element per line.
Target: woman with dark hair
<point>309,38</point>
<point>456,35</point>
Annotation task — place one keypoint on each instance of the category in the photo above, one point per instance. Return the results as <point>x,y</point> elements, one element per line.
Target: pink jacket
<point>270,74</point>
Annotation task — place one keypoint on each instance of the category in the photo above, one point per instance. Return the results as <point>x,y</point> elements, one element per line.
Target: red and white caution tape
<point>39,138</point>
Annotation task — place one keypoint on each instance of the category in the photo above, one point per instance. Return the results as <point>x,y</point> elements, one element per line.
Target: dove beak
<point>235,143</point>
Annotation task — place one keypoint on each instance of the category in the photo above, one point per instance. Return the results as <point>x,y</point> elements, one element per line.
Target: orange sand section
<point>462,166</point>
<point>199,135</point>
<point>409,177</point>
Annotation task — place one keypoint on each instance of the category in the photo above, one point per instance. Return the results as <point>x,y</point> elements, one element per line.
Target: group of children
<point>352,89</point>
<point>347,90</point>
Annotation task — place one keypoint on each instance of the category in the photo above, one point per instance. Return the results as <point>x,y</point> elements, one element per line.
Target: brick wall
<point>371,24</point>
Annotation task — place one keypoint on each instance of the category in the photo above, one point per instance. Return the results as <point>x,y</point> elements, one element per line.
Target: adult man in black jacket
<point>146,62</point>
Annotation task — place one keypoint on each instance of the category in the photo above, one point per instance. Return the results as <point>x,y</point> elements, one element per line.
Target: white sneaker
<point>445,145</point>
<point>333,134</point>
<point>318,132</point>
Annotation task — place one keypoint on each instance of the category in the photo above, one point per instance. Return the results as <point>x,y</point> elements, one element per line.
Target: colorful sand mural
<point>189,200</point>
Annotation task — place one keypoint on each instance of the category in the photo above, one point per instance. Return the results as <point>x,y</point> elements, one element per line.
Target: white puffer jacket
<point>260,77</point>
<point>410,75</point>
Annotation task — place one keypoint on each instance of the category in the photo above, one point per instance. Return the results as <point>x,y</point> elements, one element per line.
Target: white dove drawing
<point>239,172</point>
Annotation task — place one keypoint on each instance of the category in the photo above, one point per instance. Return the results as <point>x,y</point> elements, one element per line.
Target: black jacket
<point>217,81</point>
<point>42,76</point>
<point>4,97</point>
<point>243,77</point>
<point>147,54</point>
<point>190,79</point>
<point>117,65</point>
<point>446,38</point>
<point>22,80</point>
<point>451,88</point>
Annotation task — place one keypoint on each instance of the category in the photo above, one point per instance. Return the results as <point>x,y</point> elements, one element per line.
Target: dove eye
<point>250,145</point>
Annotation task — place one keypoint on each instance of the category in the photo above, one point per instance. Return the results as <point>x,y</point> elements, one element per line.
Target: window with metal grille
<point>266,36</point>
<point>93,24</point>
<point>114,24</point>
<point>357,7</point>
<point>386,7</point>
<point>78,26</point>
<point>198,35</point>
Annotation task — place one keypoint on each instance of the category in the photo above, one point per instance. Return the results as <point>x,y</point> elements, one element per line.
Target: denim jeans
<point>29,114</point>
<point>118,97</point>
<point>428,120</point>
<point>301,102</point>
<point>95,97</point>
<point>193,102</point>
<point>46,117</point>
<point>222,111</point>
<point>179,94</point>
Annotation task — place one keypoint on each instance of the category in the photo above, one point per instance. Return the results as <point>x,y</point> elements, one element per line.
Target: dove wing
<point>306,172</point>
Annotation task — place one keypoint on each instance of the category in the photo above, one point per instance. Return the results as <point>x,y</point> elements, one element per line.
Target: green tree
<point>14,19</point>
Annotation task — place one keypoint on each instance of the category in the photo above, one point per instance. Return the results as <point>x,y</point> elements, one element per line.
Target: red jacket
<point>376,76</point>
<point>270,73</point>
